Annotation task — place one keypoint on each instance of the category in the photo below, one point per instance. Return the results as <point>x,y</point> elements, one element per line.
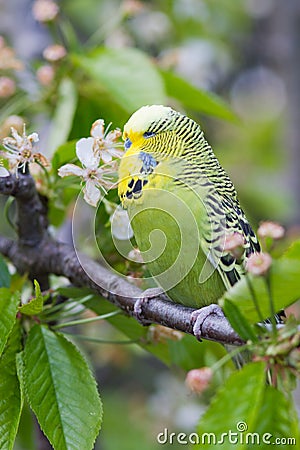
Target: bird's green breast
<point>168,221</point>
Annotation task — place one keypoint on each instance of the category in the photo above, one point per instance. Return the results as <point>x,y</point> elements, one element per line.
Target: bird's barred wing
<point>226,217</point>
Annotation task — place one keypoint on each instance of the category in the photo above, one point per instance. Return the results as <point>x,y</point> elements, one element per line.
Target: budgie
<point>182,206</point>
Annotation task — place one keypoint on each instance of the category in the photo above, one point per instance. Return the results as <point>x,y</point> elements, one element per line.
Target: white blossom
<point>120,224</point>
<point>91,151</point>
<point>19,149</point>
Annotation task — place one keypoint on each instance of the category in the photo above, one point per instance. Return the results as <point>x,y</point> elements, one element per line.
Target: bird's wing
<point>226,217</point>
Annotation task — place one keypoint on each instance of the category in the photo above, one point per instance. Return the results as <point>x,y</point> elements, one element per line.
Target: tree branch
<point>38,254</point>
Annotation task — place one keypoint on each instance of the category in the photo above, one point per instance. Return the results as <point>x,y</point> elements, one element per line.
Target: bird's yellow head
<point>153,134</point>
<point>144,124</point>
<point>141,140</point>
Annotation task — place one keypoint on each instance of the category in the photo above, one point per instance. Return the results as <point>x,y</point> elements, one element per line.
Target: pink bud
<point>234,244</point>
<point>270,229</point>
<point>45,74</point>
<point>54,53</point>
<point>197,380</point>
<point>258,263</point>
<point>7,87</point>
<point>45,10</point>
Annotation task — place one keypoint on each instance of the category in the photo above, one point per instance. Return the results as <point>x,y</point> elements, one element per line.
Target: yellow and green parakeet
<point>182,206</point>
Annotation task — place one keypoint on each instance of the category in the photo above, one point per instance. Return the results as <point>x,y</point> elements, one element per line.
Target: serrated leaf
<point>5,277</point>
<point>197,99</point>
<point>35,306</point>
<point>241,398</point>
<point>8,310</point>
<point>61,390</point>
<point>278,418</point>
<point>238,321</point>
<point>11,400</point>
<point>126,74</point>
<point>285,285</point>
<point>61,123</point>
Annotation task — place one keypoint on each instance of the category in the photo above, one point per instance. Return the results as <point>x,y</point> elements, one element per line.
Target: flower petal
<point>4,172</point>
<point>97,130</point>
<point>106,156</point>
<point>70,169</point>
<point>91,192</point>
<point>120,224</point>
<point>86,154</point>
<point>113,136</point>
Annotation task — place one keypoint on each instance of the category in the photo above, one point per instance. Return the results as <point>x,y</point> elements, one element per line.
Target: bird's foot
<point>199,316</point>
<point>142,301</point>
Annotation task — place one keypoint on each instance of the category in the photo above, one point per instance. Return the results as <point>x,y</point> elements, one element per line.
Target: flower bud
<point>45,74</point>
<point>197,380</point>
<point>270,230</point>
<point>54,53</point>
<point>45,10</point>
<point>10,122</point>
<point>234,244</point>
<point>7,87</point>
<point>258,263</point>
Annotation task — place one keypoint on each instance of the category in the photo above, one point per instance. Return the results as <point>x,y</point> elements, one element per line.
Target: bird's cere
<point>19,150</point>
<point>45,10</point>
<point>234,244</point>
<point>259,263</point>
<point>96,155</point>
<point>198,380</point>
<point>270,230</point>
<point>145,116</point>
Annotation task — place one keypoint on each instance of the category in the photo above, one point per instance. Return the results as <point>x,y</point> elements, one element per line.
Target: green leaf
<point>11,399</point>
<point>35,306</point>
<point>130,328</point>
<point>61,123</point>
<point>285,285</point>
<point>8,310</point>
<point>63,155</point>
<point>126,74</point>
<point>61,390</point>
<point>277,417</point>
<point>188,353</point>
<point>238,321</point>
<point>197,99</point>
<point>5,277</point>
<point>239,400</point>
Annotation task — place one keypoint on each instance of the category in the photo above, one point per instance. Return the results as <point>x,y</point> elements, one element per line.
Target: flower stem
<point>89,320</point>
<point>69,307</point>
<point>101,341</point>
<point>254,298</point>
<point>272,310</point>
<point>228,357</point>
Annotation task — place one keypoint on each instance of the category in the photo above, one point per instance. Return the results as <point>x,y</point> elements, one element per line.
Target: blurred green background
<point>123,54</point>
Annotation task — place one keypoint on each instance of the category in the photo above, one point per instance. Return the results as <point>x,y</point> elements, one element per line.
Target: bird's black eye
<point>127,143</point>
<point>148,134</point>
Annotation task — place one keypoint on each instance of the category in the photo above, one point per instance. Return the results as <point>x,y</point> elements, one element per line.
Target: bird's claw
<point>199,316</point>
<point>142,301</point>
